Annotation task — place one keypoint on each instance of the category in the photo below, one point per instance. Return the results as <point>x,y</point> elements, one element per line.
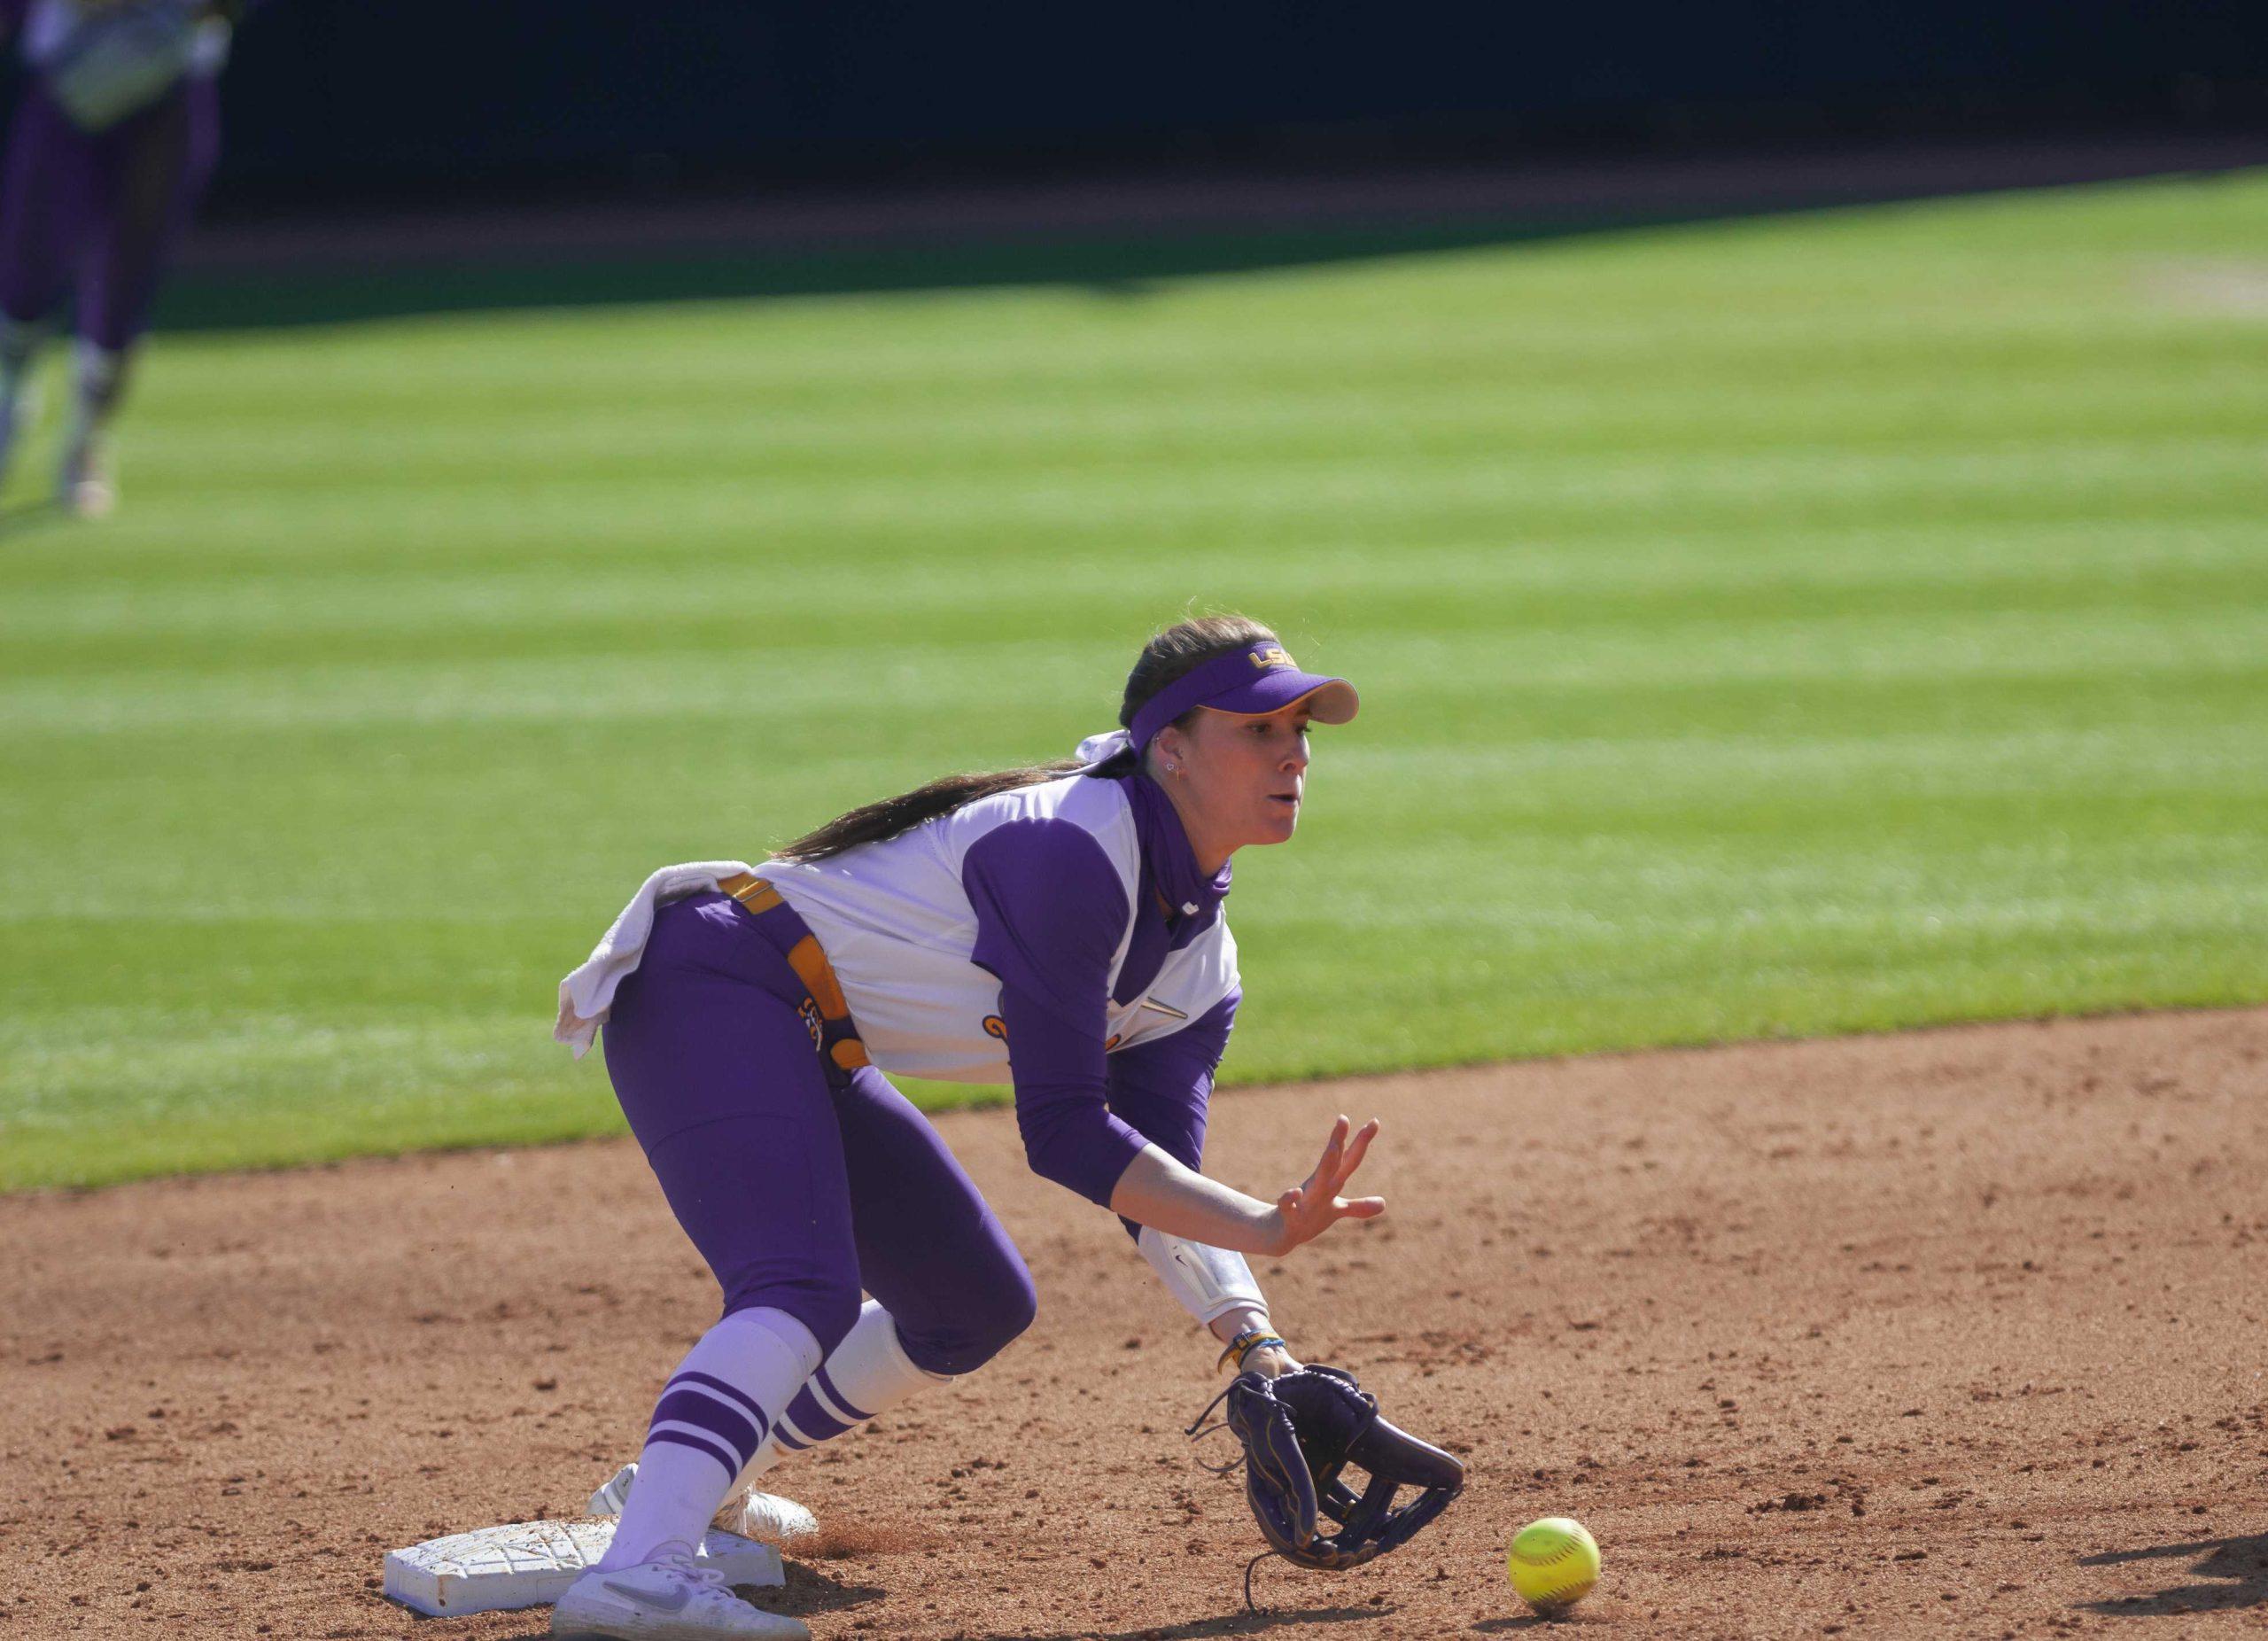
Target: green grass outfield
<point>1787,625</point>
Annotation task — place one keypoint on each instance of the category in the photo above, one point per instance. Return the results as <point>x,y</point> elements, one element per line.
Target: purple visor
<point>1260,678</point>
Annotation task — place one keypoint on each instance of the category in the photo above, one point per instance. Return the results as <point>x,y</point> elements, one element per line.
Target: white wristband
<point>1209,1282</point>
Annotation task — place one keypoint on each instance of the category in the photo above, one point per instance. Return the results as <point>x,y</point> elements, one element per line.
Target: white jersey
<point>897,925</point>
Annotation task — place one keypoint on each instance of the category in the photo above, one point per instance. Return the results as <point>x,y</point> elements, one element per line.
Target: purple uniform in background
<point>95,213</point>
<point>802,1181</point>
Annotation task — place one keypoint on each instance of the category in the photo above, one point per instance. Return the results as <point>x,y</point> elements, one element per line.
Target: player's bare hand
<point>1312,1207</point>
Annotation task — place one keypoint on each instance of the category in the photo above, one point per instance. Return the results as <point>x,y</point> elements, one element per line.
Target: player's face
<point>1241,780</point>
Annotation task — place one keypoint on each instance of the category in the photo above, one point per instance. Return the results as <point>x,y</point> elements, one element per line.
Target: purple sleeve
<point>1050,912</point>
<point>1160,1088</point>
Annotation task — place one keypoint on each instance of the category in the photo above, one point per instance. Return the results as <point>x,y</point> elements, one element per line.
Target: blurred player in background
<point>111,146</point>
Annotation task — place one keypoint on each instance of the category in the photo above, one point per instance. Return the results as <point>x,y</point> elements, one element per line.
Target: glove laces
<point>1195,1434</point>
<point>1250,1606</point>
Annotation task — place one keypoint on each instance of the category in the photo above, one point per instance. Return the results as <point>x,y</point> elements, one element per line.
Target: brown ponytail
<point>1173,654</point>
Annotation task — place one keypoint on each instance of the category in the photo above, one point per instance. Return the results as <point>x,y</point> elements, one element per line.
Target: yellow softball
<point>1553,1563</point>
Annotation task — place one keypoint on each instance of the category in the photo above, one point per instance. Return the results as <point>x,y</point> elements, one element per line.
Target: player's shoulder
<point>1090,824</point>
<point>1099,807</point>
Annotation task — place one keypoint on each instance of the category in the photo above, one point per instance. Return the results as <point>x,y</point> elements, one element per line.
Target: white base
<point>532,1563</point>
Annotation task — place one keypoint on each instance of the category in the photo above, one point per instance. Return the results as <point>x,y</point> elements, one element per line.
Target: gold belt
<point>834,1033</point>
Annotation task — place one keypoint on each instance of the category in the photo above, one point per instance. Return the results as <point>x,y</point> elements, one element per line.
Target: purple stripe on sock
<point>741,1397</point>
<point>813,1419</point>
<point>839,1399</point>
<point>698,1407</point>
<point>715,1450</point>
<point>779,1435</point>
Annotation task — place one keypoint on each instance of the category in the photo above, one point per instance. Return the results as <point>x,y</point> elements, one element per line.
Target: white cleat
<point>672,1597</point>
<point>85,487</point>
<point>766,1518</point>
<point>609,1499</point>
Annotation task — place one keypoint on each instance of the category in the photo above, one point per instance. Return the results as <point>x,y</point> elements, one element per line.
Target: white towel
<point>585,995</point>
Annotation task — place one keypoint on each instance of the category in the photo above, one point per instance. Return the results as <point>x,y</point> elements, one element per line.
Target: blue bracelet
<point>1243,1345</point>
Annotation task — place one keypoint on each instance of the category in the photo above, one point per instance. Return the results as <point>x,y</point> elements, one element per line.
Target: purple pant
<point>100,212</point>
<point>800,1183</point>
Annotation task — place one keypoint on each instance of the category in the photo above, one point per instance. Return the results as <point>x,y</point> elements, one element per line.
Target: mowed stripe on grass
<point>1812,624</point>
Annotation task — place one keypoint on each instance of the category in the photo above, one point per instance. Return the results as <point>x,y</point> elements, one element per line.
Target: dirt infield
<point>1957,1333</point>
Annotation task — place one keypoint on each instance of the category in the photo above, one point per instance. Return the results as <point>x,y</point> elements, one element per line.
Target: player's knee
<point>1009,1305</point>
<point>987,1318</point>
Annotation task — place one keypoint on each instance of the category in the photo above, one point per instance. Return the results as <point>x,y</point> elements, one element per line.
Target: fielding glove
<point>1300,1431</point>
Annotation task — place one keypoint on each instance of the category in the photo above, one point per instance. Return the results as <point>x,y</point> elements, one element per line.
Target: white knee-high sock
<point>100,383</point>
<point>867,1372</point>
<point>716,1411</point>
<point>18,345</point>
<point>19,341</point>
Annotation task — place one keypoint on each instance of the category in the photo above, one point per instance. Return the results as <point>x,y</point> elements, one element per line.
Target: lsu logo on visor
<point>1270,658</point>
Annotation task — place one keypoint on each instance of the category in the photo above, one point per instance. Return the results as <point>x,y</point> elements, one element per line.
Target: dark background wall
<point>335,99</point>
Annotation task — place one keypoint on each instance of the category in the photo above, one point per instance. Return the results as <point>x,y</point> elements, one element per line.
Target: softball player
<point>1058,927</point>
<point>112,147</point>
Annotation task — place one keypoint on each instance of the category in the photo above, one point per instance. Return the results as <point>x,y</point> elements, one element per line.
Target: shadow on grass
<point>638,263</point>
<point>2239,1567</point>
<point>1117,269</point>
<point>24,515</point>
